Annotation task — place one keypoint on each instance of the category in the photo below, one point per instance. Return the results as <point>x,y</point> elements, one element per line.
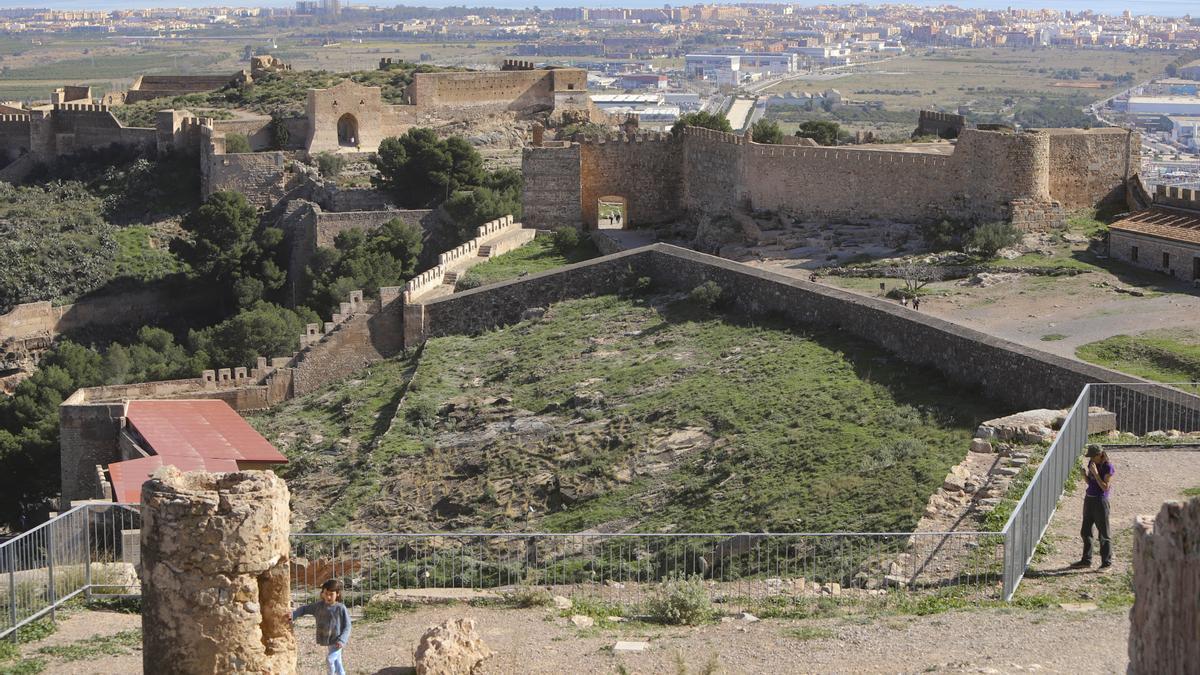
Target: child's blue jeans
<point>334,661</point>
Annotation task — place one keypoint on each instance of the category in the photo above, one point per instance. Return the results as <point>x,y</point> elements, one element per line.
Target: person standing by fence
<point>1099,474</point>
<point>333,623</point>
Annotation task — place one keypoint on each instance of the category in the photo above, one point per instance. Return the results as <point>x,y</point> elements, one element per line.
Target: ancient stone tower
<point>1164,631</point>
<point>215,577</point>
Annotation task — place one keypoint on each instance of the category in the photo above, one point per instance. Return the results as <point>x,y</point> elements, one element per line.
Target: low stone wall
<point>1164,632</point>
<point>34,319</point>
<point>464,256</point>
<point>1002,370</point>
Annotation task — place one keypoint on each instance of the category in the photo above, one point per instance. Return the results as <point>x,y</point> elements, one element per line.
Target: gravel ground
<point>539,641</point>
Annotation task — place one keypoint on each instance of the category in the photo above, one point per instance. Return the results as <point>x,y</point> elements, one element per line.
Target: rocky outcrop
<point>1164,634</point>
<point>452,648</point>
<point>215,581</point>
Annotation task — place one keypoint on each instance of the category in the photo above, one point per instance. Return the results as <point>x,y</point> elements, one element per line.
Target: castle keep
<point>1031,178</point>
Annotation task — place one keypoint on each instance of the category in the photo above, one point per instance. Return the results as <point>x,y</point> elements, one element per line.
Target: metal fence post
<point>12,592</point>
<point>53,592</point>
<point>87,553</point>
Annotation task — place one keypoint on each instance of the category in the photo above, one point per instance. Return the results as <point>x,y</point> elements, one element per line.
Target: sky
<point>1152,7</point>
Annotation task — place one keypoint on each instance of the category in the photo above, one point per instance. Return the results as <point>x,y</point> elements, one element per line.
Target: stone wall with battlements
<point>261,176</point>
<point>705,172</point>
<point>147,87</point>
<point>940,124</point>
<point>552,186</point>
<point>14,136</point>
<point>517,89</point>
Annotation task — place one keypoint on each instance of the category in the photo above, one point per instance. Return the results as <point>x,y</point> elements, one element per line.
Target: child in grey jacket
<point>333,623</point>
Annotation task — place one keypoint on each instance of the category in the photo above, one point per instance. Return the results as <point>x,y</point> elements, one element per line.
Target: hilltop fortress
<point>1031,178</point>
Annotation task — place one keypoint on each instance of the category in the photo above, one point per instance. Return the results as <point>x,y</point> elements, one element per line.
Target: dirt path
<point>1143,481</point>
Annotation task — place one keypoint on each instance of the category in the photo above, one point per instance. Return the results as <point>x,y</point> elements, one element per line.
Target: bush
<point>236,143</point>
<point>987,239</point>
<point>823,132</point>
<point>706,294</point>
<point>467,282</point>
<point>566,239</point>
<point>942,236</point>
<point>279,133</point>
<point>681,601</point>
<point>705,120</point>
<point>766,131</point>
<point>526,597</point>
<point>329,164</point>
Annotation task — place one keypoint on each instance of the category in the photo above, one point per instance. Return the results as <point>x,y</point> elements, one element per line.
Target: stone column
<point>215,578</point>
<point>1164,634</point>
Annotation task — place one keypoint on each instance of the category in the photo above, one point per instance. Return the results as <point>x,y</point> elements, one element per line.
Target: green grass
<point>143,255</point>
<point>1192,492</point>
<point>1053,337</point>
<point>538,255</point>
<point>116,644</point>
<point>1165,355</point>
<point>807,431</point>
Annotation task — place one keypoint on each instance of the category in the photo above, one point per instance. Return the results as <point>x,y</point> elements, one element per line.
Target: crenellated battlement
<point>15,117</point>
<point>81,107</point>
<point>615,138</point>
<point>461,257</point>
<point>1179,197</point>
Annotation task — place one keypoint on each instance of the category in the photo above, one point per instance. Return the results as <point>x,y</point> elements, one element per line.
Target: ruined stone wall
<point>88,435</point>
<point>940,124</point>
<point>551,197</point>
<point>1090,167</point>
<point>1164,633</point>
<point>216,584</point>
<point>261,176</point>
<point>1005,371</point>
<point>361,341</point>
<point>517,90</point>
<point>148,87</point>
<point>133,309</point>
<point>257,131</point>
<point>644,170</point>
<point>77,126</point>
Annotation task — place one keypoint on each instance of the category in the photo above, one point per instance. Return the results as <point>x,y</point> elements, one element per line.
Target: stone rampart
<point>644,169</point>
<point>705,172</point>
<point>552,191</point>
<point>14,136</point>
<point>1164,634</point>
<point>940,124</point>
<point>257,130</point>
<point>1008,372</point>
<point>123,309</point>
<point>466,255</point>
<point>1091,167</point>
<point>147,87</point>
<point>517,90</point>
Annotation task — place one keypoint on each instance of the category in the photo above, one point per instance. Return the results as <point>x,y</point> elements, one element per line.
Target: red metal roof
<point>128,476</point>
<point>193,435</point>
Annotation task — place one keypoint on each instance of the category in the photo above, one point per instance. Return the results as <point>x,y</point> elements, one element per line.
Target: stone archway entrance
<point>612,213</point>
<point>347,130</point>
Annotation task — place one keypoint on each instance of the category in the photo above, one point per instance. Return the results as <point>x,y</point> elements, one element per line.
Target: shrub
<point>766,131</point>
<point>681,601</point>
<point>706,294</point>
<point>987,239</point>
<point>467,282</point>
<point>943,235</point>
<point>526,597</point>
<point>703,119</point>
<point>279,132</point>
<point>236,143</point>
<point>330,164</point>
<point>566,239</point>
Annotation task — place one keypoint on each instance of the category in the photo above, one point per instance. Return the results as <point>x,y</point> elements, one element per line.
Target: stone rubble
<point>453,647</point>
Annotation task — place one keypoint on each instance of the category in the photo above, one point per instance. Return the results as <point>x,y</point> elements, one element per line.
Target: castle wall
<point>149,87</point>
<point>260,176</point>
<point>258,131</point>
<point>1090,167</point>
<point>553,182</point>
<point>645,171</point>
<point>325,107</point>
<point>517,90</point>
<point>135,308</point>
<point>88,435</point>
<point>1005,371</point>
<point>14,136</point>
<point>70,127</point>
<point>990,175</point>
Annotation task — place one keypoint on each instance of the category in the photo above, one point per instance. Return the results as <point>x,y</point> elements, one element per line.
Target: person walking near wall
<point>1099,474</point>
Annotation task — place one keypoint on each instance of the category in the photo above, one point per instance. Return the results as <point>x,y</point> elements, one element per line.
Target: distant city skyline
<point>1166,8</point>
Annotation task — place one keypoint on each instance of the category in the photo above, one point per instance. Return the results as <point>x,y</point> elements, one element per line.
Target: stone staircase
<point>450,279</point>
<point>485,251</point>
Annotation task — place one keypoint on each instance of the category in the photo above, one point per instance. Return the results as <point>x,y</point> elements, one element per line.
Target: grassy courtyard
<point>650,415</point>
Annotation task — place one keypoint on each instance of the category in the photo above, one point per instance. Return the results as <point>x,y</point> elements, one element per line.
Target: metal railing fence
<point>77,552</point>
<point>624,566</point>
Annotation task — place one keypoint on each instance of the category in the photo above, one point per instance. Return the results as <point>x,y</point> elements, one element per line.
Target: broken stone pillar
<point>215,579</point>
<point>1164,632</point>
